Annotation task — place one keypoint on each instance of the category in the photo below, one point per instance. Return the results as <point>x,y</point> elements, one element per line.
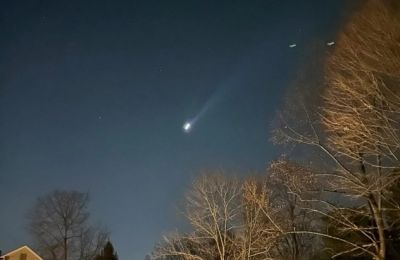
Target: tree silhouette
<point>107,253</point>
<point>59,223</point>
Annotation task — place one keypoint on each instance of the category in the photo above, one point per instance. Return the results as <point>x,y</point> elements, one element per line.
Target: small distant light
<point>292,45</point>
<point>330,43</point>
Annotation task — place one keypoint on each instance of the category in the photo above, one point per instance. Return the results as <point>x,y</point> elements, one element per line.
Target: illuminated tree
<point>233,220</point>
<point>213,209</point>
<point>360,119</point>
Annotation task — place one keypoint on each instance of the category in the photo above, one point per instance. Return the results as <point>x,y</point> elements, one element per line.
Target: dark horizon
<point>93,97</point>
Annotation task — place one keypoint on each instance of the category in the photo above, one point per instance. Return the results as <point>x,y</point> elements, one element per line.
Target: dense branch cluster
<point>362,105</point>
<point>248,219</point>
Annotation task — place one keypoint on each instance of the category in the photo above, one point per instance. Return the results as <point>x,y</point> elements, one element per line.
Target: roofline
<point>25,247</point>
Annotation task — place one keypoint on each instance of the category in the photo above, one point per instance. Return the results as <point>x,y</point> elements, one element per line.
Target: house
<point>22,253</point>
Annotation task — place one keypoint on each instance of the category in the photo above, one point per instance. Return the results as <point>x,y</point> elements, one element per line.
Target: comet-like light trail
<point>233,81</point>
<point>188,125</point>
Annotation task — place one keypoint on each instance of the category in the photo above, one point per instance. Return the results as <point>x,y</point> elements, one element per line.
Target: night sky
<point>93,96</point>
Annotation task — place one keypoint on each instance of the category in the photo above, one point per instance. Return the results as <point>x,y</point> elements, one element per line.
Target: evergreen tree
<point>107,253</point>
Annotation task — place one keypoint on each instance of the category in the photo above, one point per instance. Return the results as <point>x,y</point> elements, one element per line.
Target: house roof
<point>23,247</point>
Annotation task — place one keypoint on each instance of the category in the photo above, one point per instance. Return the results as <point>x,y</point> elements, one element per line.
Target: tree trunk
<point>65,249</point>
<point>380,225</point>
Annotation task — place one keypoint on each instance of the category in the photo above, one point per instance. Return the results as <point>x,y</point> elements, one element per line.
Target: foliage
<point>107,253</point>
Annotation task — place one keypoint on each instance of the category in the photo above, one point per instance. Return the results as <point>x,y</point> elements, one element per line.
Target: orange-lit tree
<point>360,121</point>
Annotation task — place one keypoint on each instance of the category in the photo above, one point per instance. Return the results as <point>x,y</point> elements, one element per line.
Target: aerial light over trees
<point>339,197</point>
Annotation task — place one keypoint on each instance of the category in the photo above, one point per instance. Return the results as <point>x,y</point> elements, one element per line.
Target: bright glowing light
<point>187,126</point>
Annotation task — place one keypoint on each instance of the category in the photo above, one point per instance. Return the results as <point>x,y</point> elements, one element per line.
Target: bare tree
<point>183,246</point>
<point>213,208</point>
<point>58,223</point>
<point>360,116</point>
<point>362,106</point>
<point>233,220</point>
<point>260,228</point>
<point>91,241</point>
<point>287,180</point>
<point>276,213</point>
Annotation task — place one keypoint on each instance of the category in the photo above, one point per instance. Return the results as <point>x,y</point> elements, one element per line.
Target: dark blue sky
<point>93,95</point>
